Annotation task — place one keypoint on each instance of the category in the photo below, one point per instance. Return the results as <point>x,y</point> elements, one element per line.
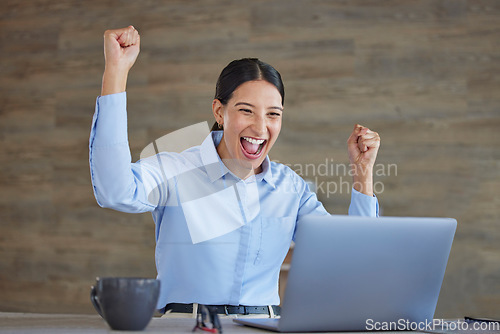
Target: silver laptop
<point>357,273</point>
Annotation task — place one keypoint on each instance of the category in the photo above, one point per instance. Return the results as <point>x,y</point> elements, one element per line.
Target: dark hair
<point>240,71</point>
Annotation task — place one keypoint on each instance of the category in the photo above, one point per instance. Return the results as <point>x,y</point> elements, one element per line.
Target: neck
<point>240,171</point>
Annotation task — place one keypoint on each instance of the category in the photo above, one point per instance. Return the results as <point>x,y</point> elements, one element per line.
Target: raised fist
<point>121,47</point>
<point>362,146</point>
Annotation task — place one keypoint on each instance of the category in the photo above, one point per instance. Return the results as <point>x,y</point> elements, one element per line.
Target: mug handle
<point>95,300</point>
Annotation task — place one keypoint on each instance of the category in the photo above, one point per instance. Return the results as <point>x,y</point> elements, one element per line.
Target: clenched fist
<point>121,48</point>
<point>362,146</point>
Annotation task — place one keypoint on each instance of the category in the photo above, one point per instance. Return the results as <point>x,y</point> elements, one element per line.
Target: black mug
<point>125,303</point>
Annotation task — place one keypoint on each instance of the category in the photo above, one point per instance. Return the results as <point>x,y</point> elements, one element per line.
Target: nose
<point>259,126</point>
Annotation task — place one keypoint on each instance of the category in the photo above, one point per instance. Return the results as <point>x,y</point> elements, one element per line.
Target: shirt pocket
<point>275,239</point>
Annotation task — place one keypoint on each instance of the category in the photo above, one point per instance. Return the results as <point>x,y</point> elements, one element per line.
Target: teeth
<point>254,141</point>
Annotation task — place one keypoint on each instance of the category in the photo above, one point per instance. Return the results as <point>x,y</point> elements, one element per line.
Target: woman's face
<point>252,123</point>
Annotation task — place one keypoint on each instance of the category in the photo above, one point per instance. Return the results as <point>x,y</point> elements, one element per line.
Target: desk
<point>21,323</point>
<point>17,323</point>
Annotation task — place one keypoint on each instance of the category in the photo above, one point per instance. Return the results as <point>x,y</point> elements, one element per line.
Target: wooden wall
<point>423,73</point>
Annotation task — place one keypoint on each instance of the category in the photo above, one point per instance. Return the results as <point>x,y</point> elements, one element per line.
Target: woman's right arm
<point>121,48</point>
<point>117,183</point>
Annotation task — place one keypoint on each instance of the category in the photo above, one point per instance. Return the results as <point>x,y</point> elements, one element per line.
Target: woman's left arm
<point>362,146</point>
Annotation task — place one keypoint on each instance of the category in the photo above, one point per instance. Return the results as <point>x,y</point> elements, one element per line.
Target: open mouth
<point>251,147</point>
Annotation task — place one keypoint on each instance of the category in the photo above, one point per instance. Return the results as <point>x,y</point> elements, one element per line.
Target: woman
<point>224,213</point>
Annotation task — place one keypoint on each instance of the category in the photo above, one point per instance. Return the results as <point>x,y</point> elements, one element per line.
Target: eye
<point>248,111</point>
<point>275,114</point>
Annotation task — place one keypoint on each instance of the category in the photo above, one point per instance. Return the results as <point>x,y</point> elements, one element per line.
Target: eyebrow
<point>251,105</point>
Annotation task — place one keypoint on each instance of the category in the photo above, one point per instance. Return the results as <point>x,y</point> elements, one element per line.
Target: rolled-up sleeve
<point>117,183</point>
<point>363,205</point>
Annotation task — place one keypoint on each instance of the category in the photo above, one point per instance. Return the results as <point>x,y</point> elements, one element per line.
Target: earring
<point>219,125</point>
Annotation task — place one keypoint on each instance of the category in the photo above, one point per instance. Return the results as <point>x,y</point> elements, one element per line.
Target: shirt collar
<point>210,158</point>
<point>266,173</point>
<point>215,167</point>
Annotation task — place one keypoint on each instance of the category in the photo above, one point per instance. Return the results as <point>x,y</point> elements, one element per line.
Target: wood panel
<point>424,74</point>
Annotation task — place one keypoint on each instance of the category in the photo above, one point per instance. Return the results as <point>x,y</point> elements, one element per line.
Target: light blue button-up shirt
<point>219,239</point>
